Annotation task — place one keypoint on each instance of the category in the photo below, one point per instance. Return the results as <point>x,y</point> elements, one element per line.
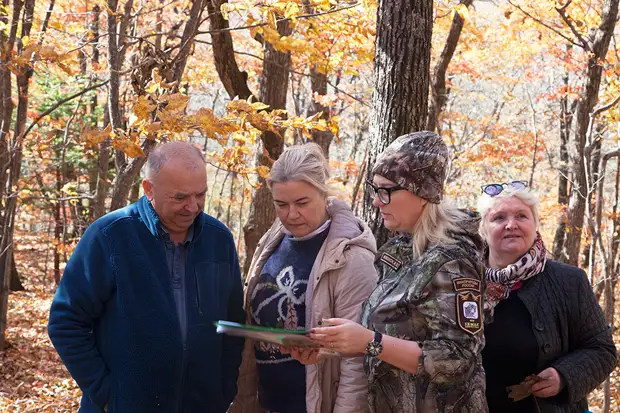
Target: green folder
<point>280,336</point>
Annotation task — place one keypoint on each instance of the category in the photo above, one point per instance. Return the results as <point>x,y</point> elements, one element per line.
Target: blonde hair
<point>301,163</point>
<point>486,202</point>
<point>436,225</point>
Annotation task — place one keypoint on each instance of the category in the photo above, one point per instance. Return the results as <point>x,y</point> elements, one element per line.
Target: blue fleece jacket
<point>114,322</point>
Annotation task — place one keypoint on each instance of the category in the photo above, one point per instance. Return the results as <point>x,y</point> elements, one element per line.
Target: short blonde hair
<point>302,163</point>
<point>437,225</point>
<point>486,202</point>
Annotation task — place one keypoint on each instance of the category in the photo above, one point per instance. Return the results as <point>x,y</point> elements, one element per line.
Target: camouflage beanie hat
<point>417,161</point>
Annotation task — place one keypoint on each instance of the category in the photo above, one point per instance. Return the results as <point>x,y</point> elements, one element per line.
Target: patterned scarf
<point>501,281</point>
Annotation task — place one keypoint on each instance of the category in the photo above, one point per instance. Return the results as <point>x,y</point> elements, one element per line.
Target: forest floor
<point>32,377</point>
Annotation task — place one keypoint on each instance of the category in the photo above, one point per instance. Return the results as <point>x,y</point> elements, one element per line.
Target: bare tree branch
<point>562,11</point>
<point>302,16</point>
<point>60,103</point>
<point>537,20</point>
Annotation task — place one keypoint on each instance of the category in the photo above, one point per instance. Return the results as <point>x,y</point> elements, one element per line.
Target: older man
<point>133,315</point>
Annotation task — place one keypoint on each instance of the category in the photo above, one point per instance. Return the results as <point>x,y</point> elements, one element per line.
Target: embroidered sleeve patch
<point>390,261</point>
<point>469,312</point>
<point>467,284</point>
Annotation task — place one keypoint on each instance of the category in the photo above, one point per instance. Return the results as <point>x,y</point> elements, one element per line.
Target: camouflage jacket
<point>435,300</point>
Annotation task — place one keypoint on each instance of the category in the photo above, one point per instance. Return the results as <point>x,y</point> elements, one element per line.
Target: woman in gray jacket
<point>544,326</point>
<point>316,262</point>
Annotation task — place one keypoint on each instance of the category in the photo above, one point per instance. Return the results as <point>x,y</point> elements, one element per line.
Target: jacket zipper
<point>184,359</point>
<point>197,292</point>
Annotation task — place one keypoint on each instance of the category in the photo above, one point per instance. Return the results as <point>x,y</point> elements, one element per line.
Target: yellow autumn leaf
<point>291,10</point>
<point>48,52</point>
<point>226,9</point>
<point>320,125</point>
<point>172,122</point>
<point>240,106</point>
<point>259,106</point>
<point>94,136</point>
<point>143,108</point>
<point>263,171</point>
<point>130,148</point>
<point>176,103</point>
<point>69,189</point>
<point>271,20</point>
<point>211,125</point>
<point>462,10</point>
<point>152,127</point>
<point>333,125</point>
<point>240,138</point>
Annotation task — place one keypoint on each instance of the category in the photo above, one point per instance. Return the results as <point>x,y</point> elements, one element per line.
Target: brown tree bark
<point>234,80</point>
<point>439,93</point>
<point>566,117</point>
<point>401,79</point>
<point>318,82</point>
<point>609,254</point>
<point>13,153</point>
<point>588,98</point>
<point>273,91</point>
<point>101,184</point>
<point>318,86</point>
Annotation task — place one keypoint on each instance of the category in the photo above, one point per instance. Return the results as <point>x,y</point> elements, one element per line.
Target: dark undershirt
<point>510,355</point>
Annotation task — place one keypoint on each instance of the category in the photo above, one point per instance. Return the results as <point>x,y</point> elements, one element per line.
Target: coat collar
<point>150,218</point>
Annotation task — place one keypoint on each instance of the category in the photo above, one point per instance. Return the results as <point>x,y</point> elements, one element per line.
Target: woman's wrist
<point>369,335</point>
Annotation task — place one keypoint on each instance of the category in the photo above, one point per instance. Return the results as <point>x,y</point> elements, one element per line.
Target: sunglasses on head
<point>496,189</point>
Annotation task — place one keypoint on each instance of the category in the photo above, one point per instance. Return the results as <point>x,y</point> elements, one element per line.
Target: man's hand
<point>550,386</point>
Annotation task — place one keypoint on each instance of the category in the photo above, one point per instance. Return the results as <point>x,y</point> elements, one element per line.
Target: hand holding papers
<point>287,338</point>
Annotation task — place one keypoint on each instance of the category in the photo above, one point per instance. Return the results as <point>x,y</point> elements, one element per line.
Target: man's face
<point>177,193</point>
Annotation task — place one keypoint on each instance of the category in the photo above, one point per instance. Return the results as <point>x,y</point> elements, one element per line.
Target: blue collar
<point>155,227</point>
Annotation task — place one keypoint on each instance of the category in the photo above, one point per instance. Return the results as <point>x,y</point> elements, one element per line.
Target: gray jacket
<point>572,334</point>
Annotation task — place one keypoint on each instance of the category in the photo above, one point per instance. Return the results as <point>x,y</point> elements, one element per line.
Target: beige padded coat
<point>342,277</point>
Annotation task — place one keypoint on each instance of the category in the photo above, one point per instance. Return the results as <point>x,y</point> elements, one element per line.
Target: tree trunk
<point>566,117</point>
<point>187,40</point>
<point>16,283</point>
<point>318,83</point>
<point>273,91</point>
<point>103,168</point>
<point>589,251</point>
<point>99,183</point>
<point>135,191</point>
<point>114,67</point>
<point>58,227</point>
<point>6,107</point>
<point>15,157</point>
<point>587,100</point>
<point>611,278</point>
<point>128,175</point>
<point>235,81</point>
<point>439,94</point>
<point>401,79</point>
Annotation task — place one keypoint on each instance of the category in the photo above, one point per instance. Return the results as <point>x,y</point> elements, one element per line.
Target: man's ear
<point>148,189</point>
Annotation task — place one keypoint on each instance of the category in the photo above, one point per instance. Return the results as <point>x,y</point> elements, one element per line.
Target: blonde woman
<point>421,329</point>
<point>543,318</point>
<point>316,262</point>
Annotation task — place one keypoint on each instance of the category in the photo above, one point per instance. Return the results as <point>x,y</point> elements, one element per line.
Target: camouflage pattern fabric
<point>436,301</point>
<point>417,161</point>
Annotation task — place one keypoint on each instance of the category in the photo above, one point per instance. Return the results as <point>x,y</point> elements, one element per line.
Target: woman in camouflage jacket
<point>421,327</point>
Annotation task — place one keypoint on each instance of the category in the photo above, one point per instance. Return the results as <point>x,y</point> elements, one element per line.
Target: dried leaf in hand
<point>524,389</point>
